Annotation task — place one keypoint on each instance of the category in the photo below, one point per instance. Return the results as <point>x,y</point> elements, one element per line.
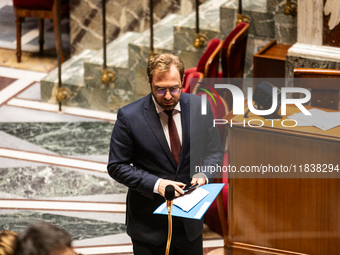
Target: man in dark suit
<point>157,141</point>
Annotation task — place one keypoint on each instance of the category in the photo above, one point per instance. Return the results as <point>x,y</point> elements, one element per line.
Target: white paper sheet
<point>320,119</point>
<point>189,200</point>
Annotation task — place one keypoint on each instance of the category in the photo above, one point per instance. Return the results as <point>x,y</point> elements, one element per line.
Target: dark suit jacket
<point>139,155</point>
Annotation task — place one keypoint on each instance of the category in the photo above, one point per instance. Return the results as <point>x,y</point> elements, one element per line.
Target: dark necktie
<point>174,138</point>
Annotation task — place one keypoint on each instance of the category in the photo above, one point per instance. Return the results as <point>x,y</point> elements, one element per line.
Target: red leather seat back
<point>189,83</point>
<point>234,51</point>
<point>209,62</point>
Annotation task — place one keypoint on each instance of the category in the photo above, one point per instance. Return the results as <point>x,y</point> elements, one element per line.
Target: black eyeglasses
<point>162,91</point>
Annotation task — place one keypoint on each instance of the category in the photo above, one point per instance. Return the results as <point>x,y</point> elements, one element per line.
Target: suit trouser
<point>180,245</point>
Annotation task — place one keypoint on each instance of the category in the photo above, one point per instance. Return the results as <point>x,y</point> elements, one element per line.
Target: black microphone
<point>169,193</point>
<point>169,196</point>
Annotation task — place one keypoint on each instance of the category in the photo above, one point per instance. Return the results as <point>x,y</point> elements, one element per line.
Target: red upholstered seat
<point>212,218</point>
<point>34,4</point>
<point>233,58</point>
<point>209,61</point>
<point>218,110</point>
<point>191,81</point>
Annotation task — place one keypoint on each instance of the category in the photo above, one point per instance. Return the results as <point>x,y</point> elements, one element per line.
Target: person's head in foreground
<point>38,239</point>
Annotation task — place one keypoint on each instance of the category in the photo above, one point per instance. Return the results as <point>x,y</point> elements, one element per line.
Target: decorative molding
<point>315,52</point>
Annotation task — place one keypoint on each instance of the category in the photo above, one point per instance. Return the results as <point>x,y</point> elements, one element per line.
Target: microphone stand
<point>169,206</point>
<point>169,196</point>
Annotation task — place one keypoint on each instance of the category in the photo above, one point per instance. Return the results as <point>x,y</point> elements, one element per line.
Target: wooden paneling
<point>283,215</point>
<point>324,85</point>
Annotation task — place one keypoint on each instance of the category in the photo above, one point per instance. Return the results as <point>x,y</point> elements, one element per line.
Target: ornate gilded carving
<point>332,8</point>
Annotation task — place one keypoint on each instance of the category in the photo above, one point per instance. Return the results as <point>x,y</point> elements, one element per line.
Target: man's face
<point>167,80</point>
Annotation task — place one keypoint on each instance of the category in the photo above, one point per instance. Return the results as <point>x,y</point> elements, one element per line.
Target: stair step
<point>117,51</point>
<point>117,62</point>
<point>72,71</point>
<point>72,77</point>
<point>209,24</point>
<point>127,56</point>
<point>261,19</point>
<point>163,41</point>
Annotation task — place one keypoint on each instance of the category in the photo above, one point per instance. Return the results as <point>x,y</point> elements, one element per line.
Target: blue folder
<point>199,209</point>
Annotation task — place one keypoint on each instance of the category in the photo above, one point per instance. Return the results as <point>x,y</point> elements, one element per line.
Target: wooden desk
<point>283,215</point>
<point>270,62</point>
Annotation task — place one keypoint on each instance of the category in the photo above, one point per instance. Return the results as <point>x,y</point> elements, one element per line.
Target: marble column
<point>310,22</point>
<point>309,50</point>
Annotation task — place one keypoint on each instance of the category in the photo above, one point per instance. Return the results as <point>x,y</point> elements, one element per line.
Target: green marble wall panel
<point>228,15</point>
<point>72,76</point>
<point>277,6</point>
<point>254,44</point>
<point>184,38</point>
<point>121,91</point>
<point>142,87</point>
<point>285,29</point>
<point>79,94</point>
<point>124,77</point>
<point>65,138</point>
<point>52,181</point>
<point>293,62</point>
<point>190,58</point>
<point>77,227</point>
<point>110,97</point>
<point>228,19</point>
<point>261,22</point>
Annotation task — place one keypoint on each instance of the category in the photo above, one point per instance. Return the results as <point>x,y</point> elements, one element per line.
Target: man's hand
<point>198,178</point>
<point>177,185</point>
